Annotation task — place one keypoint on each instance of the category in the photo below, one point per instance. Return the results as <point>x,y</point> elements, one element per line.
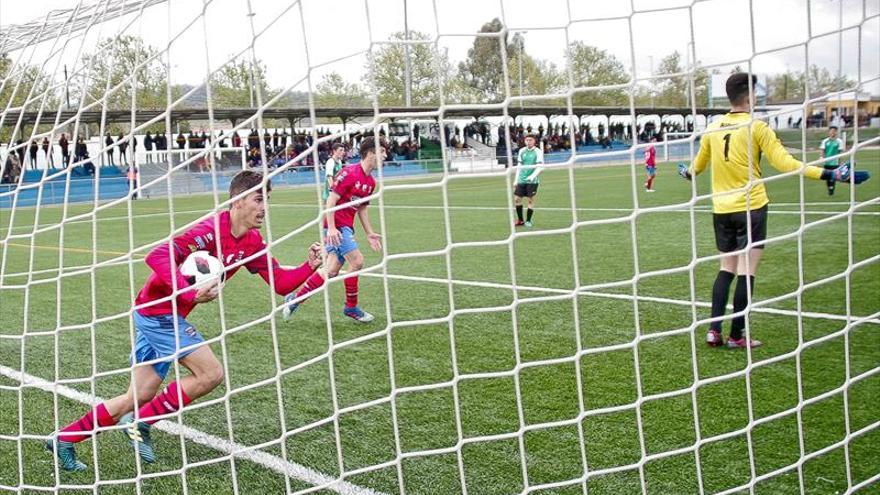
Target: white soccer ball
<point>202,268</point>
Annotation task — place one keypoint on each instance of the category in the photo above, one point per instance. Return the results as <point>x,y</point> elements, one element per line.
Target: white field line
<point>610,295</point>
<point>224,446</point>
<point>700,208</point>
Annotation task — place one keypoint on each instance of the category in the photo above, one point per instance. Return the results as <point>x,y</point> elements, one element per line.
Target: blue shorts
<point>652,171</point>
<point>347,245</point>
<point>155,340</point>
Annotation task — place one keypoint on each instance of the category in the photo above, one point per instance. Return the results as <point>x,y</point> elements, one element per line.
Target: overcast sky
<point>338,33</point>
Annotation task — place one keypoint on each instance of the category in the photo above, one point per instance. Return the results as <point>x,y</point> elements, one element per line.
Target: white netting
<point>568,357</point>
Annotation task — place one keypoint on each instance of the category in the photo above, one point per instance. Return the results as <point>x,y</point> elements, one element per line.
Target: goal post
<point>537,339</point>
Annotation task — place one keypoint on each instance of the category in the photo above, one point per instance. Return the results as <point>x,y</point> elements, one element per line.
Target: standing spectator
<point>108,141</point>
<point>181,141</point>
<point>33,153</point>
<point>134,148</point>
<point>47,150</point>
<point>148,146</point>
<point>123,147</point>
<point>267,139</point>
<point>221,139</point>
<point>236,140</point>
<point>79,150</point>
<point>20,149</point>
<point>284,137</point>
<point>275,138</point>
<point>65,152</point>
<point>161,143</point>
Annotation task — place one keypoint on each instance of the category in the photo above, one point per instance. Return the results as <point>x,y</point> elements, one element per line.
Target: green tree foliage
<point>539,77</point>
<point>792,85</point>
<point>232,85</point>
<point>591,66</point>
<point>124,61</point>
<point>386,72</point>
<point>675,90</point>
<point>335,92</point>
<point>25,87</point>
<point>482,70</point>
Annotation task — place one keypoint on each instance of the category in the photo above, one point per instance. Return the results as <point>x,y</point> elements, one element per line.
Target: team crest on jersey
<point>237,258</point>
<point>192,248</point>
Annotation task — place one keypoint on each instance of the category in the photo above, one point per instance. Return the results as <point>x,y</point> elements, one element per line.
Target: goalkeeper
<point>734,145</point>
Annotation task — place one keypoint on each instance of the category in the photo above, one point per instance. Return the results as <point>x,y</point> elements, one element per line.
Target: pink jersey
<point>202,237</point>
<point>352,184</point>
<point>650,156</point>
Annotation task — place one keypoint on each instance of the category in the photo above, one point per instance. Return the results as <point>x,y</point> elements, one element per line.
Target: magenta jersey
<point>352,184</point>
<point>202,237</point>
<point>650,156</point>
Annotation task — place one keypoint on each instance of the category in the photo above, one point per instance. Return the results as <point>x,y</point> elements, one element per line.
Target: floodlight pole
<point>406,62</point>
<point>520,42</point>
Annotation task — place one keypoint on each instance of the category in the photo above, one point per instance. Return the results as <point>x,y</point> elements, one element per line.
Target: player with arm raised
<point>165,335</point>
<point>831,146</point>
<point>530,159</point>
<point>733,145</point>
<point>353,183</point>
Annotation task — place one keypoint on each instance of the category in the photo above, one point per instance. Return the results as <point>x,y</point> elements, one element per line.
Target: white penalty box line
<point>228,447</point>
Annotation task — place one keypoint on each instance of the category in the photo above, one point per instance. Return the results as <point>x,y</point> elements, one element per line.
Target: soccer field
<point>500,361</point>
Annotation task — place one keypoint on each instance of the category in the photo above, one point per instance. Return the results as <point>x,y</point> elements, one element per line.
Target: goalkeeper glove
<point>684,172</point>
<point>843,173</point>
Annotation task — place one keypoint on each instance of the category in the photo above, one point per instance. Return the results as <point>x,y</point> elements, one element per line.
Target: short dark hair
<point>336,146</point>
<point>832,127</point>
<point>738,86</point>
<point>369,144</point>
<point>246,180</point>
<point>530,135</point>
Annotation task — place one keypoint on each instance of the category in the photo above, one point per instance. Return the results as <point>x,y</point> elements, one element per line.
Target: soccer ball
<point>201,268</point>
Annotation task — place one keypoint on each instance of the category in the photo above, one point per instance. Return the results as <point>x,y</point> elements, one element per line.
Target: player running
<point>529,159</point>
<point>734,145</point>
<point>650,165</point>
<point>353,183</point>
<point>165,336</point>
<point>831,146</point>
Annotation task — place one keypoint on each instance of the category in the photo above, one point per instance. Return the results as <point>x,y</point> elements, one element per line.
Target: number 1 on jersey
<point>726,146</point>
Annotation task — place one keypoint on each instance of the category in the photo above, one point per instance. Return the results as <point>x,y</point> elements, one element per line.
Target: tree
<point>538,76</point>
<point>124,61</point>
<point>675,90</point>
<point>334,92</point>
<point>235,84</point>
<point>591,66</point>
<point>791,85</point>
<point>482,70</point>
<point>24,86</point>
<point>386,71</point>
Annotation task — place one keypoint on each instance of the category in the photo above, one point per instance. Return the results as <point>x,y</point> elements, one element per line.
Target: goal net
<point>564,355</point>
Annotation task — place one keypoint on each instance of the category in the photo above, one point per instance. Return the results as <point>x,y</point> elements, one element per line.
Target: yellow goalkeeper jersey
<point>726,145</point>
